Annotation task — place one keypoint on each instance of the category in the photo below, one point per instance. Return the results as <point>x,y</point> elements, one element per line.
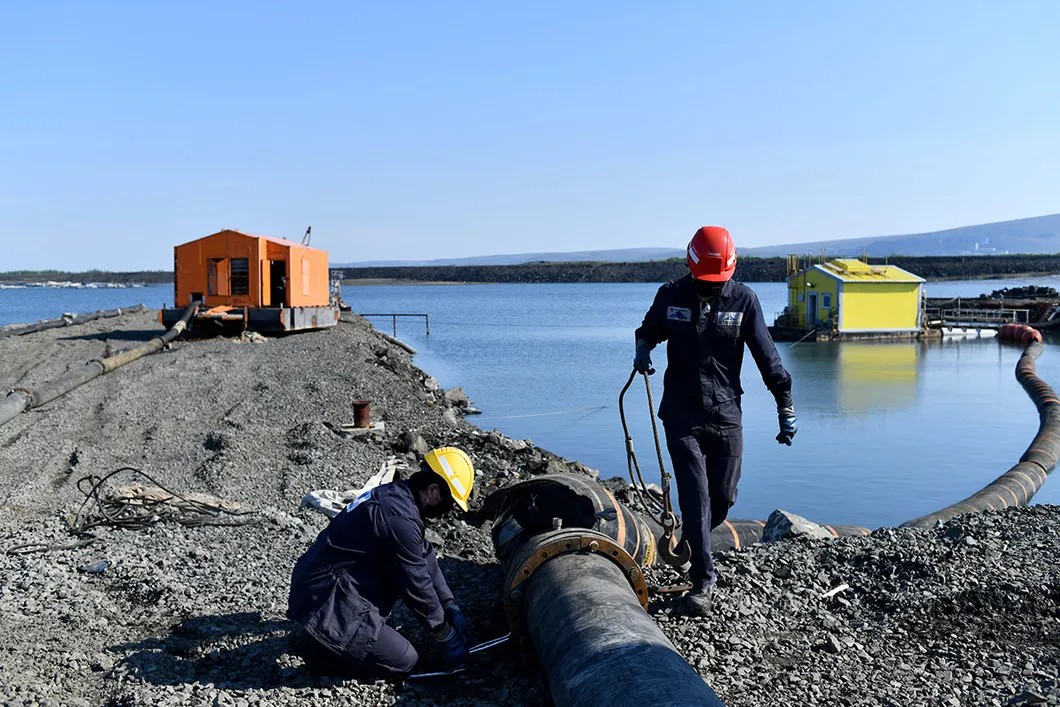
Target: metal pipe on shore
<point>46,392</point>
<point>65,321</point>
<point>13,405</point>
<point>28,398</point>
<point>597,644</point>
<point>574,587</point>
<point>735,534</point>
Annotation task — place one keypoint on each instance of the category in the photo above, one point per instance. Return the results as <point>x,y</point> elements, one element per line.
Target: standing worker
<point>369,556</point>
<point>706,317</point>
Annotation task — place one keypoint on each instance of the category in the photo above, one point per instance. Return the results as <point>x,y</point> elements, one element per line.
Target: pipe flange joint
<point>546,546</point>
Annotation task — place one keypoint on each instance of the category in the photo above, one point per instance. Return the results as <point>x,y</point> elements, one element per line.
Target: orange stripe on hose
<point>1015,501</point>
<point>1019,478</point>
<point>735,535</point>
<point>996,492</point>
<point>621,520</point>
<point>636,527</point>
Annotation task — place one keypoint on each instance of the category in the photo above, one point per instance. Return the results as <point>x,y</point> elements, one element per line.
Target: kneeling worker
<point>369,556</point>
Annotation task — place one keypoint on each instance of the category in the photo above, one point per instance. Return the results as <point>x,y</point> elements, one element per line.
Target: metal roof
<point>273,239</point>
<point>852,270</point>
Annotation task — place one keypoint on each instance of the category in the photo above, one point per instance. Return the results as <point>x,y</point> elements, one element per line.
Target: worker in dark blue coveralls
<point>706,318</point>
<point>367,558</point>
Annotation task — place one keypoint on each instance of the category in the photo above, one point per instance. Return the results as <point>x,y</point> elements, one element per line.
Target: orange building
<point>268,283</point>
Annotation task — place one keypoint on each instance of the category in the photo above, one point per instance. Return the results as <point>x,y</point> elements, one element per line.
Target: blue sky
<point>413,130</point>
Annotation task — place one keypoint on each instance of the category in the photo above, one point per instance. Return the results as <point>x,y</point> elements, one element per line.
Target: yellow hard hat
<point>453,465</point>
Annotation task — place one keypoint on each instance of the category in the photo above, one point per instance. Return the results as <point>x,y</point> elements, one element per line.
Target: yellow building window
<point>826,300</point>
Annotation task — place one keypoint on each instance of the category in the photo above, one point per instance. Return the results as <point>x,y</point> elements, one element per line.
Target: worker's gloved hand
<point>456,617</point>
<point>642,358</point>
<point>789,425</point>
<point>454,650</point>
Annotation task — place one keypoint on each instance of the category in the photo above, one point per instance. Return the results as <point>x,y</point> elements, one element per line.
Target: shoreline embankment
<point>748,269</point>
<point>171,612</point>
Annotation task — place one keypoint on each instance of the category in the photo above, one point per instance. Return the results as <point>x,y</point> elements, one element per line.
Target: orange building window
<point>217,277</point>
<point>240,276</point>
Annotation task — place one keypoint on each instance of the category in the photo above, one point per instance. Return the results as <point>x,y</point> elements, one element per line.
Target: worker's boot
<point>698,601</point>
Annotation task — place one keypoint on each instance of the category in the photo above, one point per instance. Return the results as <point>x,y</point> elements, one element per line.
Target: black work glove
<point>454,650</point>
<point>789,425</point>
<point>456,617</point>
<point>642,358</point>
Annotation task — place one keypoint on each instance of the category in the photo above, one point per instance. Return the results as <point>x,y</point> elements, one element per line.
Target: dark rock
<point>782,525</point>
<point>414,442</point>
<point>97,567</point>
<point>457,397</point>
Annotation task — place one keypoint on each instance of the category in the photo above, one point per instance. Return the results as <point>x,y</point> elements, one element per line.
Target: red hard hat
<point>711,254</point>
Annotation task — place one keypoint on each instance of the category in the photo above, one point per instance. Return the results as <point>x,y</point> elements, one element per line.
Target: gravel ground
<point>965,614</point>
<point>968,613</point>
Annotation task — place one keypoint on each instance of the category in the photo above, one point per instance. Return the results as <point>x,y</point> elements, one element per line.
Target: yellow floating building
<point>849,298</point>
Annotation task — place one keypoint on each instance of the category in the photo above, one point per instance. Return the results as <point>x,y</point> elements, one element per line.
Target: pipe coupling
<point>544,547</point>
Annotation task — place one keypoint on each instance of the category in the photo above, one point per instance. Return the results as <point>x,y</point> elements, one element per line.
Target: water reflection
<point>855,377</point>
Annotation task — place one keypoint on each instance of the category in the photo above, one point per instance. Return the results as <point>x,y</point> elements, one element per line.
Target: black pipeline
<point>68,321</point>
<point>736,534</point>
<point>574,585</point>
<point>27,398</point>
<point>1018,485</point>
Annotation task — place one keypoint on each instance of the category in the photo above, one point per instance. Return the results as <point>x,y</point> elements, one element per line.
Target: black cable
<point>97,510</point>
<point>637,482</point>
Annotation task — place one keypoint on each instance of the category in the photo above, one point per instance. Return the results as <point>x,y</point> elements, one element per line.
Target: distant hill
<point>626,255</point>
<point>748,269</point>
<point>1039,234</point>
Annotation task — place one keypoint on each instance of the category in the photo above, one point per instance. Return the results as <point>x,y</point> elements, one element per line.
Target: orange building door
<point>278,282</point>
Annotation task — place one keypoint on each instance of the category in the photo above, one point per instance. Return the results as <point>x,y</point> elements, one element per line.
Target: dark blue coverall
<point>700,407</point>
<point>346,584</point>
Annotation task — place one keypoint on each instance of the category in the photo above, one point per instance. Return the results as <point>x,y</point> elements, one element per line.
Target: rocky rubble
<point>176,615</point>
<point>965,614</point>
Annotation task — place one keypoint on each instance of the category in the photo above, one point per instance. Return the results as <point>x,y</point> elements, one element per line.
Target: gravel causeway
<point>967,613</point>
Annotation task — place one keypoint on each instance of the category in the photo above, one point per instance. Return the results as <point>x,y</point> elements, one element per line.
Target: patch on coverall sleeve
<point>681,314</point>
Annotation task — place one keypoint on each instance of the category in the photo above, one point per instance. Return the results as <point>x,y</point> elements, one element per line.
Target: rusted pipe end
<point>362,413</point>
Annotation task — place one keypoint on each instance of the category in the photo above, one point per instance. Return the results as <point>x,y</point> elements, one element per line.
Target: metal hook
<point>675,557</point>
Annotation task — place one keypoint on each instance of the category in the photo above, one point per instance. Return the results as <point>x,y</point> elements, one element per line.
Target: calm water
<point>886,431</point>
<point>31,304</point>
